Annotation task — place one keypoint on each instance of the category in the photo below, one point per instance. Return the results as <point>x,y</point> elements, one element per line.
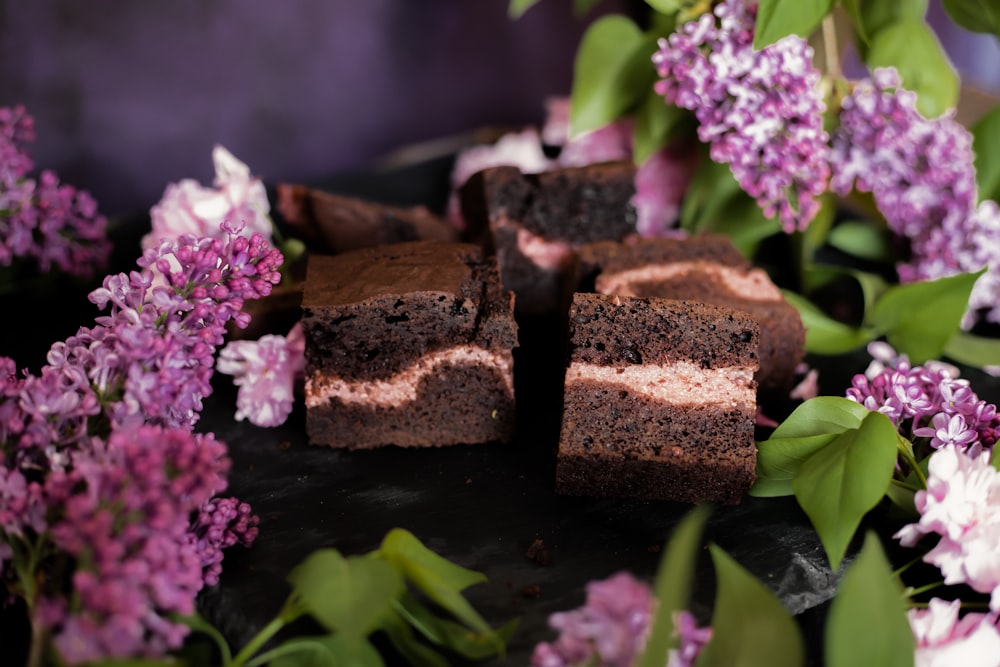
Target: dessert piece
<point>408,344</point>
<point>710,269</point>
<point>330,223</point>
<point>538,220</point>
<point>659,400</point>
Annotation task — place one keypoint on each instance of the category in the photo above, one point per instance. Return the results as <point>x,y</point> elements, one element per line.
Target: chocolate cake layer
<point>705,268</point>
<point>536,222</point>
<point>659,400</point>
<point>408,335</point>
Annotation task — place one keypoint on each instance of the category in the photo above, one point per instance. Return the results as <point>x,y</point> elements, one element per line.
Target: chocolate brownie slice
<point>408,344</point>
<point>659,400</point>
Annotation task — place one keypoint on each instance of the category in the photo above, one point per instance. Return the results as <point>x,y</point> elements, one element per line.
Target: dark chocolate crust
<point>332,223</point>
<point>571,206</point>
<point>371,313</point>
<point>617,442</point>
<point>782,334</point>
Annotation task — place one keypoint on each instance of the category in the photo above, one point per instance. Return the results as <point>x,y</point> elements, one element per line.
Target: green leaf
<point>825,335</point>
<point>971,350</point>
<point>329,651</point>
<point>612,73</point>
<point>582,7</point>
<point>779,18</point>
<point>666,6</point>
<point>910,46</point>
<point>839,484</point>
<point>877,14</point>
<point>779,459</point>
<point>869,597</point>
<point>517,8</point>
<point>853,8</point>
<point>820,415</point>
<point>975,15</point>
<point>440,579</point>
<point>414,651</point>
<point>199,624</point>
<point>346,595</point>
<point>985,139</point>
<point>919,318</point>
<point>995,459</point>
<point>460,639</point>
<point>673,586</point>
<point>862,239</point>
<point>903,498</point>
<point>750,627</point>
<point>656,123</point>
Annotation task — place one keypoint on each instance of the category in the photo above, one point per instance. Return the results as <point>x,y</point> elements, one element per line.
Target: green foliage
<point>864,240</point>
<point>841,482</point>
<point>975,15</point>
<point>673,586</point>
<point>825,335</point>
<point>611,74</point>
<point>972,350</point>
<point>780,18</point>
<point>985,140</point>
<point>910,46</point>
<point>867,624</point>
<point>517,8</point>
<point>656,125</point>
<point>871,16</point>
<point>750,627</point>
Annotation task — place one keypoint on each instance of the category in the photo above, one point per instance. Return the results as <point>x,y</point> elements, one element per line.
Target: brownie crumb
<point>538,552</point>
<point>654,548</point>
<point>531,591</point>
<point>285,445</point>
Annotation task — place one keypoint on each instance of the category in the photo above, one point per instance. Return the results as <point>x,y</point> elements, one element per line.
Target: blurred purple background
<point>129,95</point>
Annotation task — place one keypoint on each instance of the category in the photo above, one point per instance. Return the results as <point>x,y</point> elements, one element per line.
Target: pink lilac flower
<point>54,225</point>
<point>610,629</point>
<point>761,112</point>
<point>125,522</point>
<point>265,370</point>
<point>189,208</point>
<point>660,184</point>
<point>220,524</point>
<point>929,401</point>
<point>920,172</point>
<point>944,640</point>
<point>962,505</point>
<point>609,143</point>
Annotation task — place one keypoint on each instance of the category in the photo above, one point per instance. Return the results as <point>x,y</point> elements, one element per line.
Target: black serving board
<point>480,506</point>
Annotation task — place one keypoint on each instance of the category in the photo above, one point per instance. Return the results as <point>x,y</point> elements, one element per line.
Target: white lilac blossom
<point>920,172</point>
<point>962,505</point>
<point>54,225</point>
<point>760,111</point>
<point>265,371</point>
<point>611,628</point>
<point>943,639</point>
<point>187,207</point>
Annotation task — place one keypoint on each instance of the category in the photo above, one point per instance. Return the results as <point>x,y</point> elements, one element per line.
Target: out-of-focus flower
<point>187,207</point>
<point>962,505</point>
<point>265,370</point>
<point>945,640</point>
<point>761,112</point>
<point>660,184</point>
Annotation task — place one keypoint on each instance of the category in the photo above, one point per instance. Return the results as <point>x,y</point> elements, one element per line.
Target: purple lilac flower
<point>610,629</point>
<point>220,524</point>
<point>125,522</point>
<point>761,112</point>
<point>962,505</point>
<point>944,639</point>
<point>920,172</point>
<point>57,226</point>
<point>265,370</point>
<point>928,401</point>
<point>660,184</point>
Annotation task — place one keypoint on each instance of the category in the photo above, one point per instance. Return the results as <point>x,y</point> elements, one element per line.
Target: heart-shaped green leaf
<point>822,414</point>
<point>779,459</point>
<point>346,595</point>
<point>750,627</point>
<point>841,482</point>
<point>867,624</point>
<point>779,18</point>
<point>919,318</point>
<point>673,586</point>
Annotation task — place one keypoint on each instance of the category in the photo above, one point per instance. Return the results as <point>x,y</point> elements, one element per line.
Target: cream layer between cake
<point>753,284</point>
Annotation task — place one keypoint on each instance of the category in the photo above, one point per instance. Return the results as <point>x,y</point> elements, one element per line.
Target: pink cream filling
<point>549,255</point>
<point>401,388</point>
<point>677,383</point>
<point>753,285</point>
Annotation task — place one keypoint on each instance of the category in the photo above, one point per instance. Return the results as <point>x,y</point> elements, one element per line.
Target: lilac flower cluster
<point>123,517</point>
<point>221,523</point>
<point>56,226</point>
<point>928,401</point>
<point>761,112</point>
<point>610,629</point>
<point>944,638</point>
<point>920,172</point>
<point>265,370</point>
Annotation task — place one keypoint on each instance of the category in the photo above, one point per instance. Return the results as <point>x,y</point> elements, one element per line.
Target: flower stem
<point>830,51</point>
<point>925,588</point>
<point>289,612</point>
<point>905,449</point>
<point>36,652</point>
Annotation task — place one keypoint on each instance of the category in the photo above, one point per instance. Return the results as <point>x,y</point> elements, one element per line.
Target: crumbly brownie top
<point>623,331</point>
<point>575,204</point>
